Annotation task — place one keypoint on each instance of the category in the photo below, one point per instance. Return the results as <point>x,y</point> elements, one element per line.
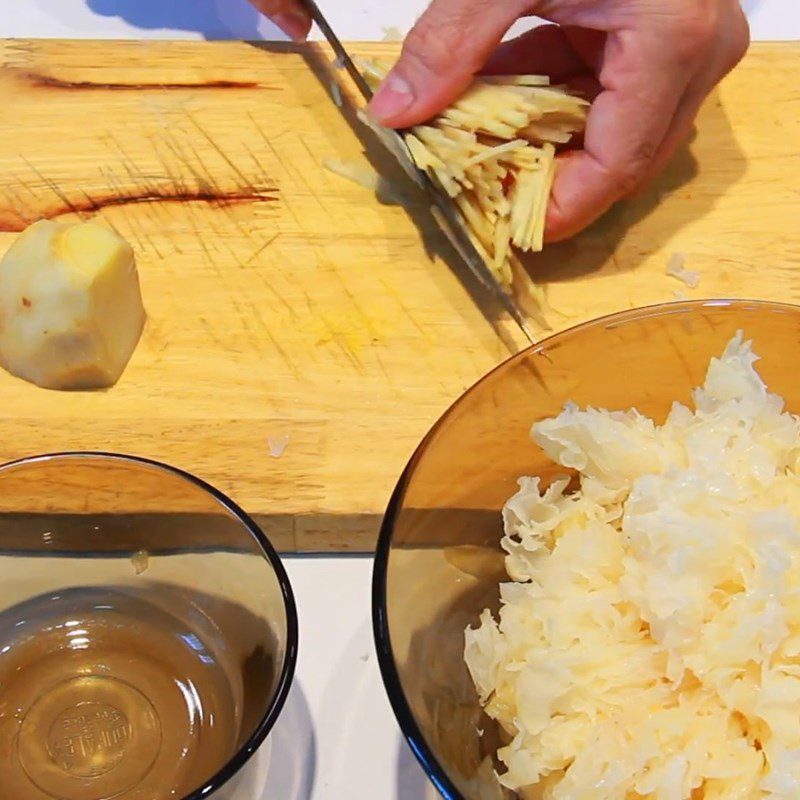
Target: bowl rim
<point>245,752</point>
<point>391,678</point>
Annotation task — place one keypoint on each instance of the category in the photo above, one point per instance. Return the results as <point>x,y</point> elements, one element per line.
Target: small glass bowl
<point>163,543</point>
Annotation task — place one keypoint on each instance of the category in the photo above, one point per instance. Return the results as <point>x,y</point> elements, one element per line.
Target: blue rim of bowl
<point>383,644</point>
<point>248,749</point>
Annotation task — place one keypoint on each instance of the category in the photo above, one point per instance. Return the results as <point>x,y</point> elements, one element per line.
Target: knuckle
<point>429,48</point>
<point>696,28</point>
<point>713,27</point>
<point>627,176</point>
<point>704,27</point>
<point>739,39</point>
<point>446,33</point>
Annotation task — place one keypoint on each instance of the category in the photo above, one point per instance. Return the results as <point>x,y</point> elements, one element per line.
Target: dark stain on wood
<point>49,82</point>
<point>13,222</point>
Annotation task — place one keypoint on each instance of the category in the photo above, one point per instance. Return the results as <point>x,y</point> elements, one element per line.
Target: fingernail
<point>294,25</point>
<point>393,97</point>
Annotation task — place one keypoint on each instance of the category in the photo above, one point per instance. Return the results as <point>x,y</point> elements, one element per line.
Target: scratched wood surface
<point>286,301</point>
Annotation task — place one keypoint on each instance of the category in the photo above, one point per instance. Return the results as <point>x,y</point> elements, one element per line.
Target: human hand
<point>288,15</point>
<point>650,63</point>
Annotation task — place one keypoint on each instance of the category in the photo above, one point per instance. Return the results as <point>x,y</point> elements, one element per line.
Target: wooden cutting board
<point>286,301</point>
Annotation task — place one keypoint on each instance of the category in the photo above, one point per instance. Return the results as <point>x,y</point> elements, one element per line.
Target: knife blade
<point>442,208</point>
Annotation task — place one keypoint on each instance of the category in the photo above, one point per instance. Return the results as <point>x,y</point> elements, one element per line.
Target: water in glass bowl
<point>106,694</point>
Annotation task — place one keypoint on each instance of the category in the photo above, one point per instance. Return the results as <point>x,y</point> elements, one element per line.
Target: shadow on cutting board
<point>659,212</point>
<point>435,242</point>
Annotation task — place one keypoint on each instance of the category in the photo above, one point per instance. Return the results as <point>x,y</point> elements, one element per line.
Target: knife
<point>443,210</point>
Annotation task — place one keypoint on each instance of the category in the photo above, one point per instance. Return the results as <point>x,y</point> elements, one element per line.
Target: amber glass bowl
<point>439,563</point>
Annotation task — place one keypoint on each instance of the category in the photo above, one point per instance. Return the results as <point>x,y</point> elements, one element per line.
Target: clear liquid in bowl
<point>104,694</point>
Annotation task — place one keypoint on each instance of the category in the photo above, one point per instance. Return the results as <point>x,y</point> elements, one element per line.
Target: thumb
<point>451,42</point>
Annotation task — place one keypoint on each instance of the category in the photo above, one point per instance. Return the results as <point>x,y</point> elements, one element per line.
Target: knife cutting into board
<point>442,207</point>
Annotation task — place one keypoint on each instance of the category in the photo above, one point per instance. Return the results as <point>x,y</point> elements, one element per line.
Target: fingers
<point>643,86</point>
<point>449,44</point>
<point>589,45</point>
<point>545,50</point>
<point>678,133</point>
<point>288,15</point>
<point>588,183</point>
<point>730,49</point>
<point>681,126</point>
<point>655,66</point>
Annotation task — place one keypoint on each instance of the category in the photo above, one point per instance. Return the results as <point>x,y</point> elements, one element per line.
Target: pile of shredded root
<point>493,151</point>
<point>648,643</point>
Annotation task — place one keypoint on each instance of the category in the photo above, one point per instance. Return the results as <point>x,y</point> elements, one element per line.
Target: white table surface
<point>337,738</point>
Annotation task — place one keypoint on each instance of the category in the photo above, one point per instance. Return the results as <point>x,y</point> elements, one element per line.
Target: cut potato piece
<point>71,310</point>
<point>493,152</point>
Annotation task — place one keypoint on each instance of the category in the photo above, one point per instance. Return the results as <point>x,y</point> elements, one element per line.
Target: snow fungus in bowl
<point>631,614</point>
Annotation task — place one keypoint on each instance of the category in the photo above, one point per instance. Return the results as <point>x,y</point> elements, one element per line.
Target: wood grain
<point>283,299</point>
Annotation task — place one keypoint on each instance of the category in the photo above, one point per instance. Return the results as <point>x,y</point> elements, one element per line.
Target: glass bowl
<point>438,561</point>
<point>153,626</point>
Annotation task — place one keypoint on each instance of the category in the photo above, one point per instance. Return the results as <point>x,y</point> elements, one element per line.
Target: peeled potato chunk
<point>71,310</point>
